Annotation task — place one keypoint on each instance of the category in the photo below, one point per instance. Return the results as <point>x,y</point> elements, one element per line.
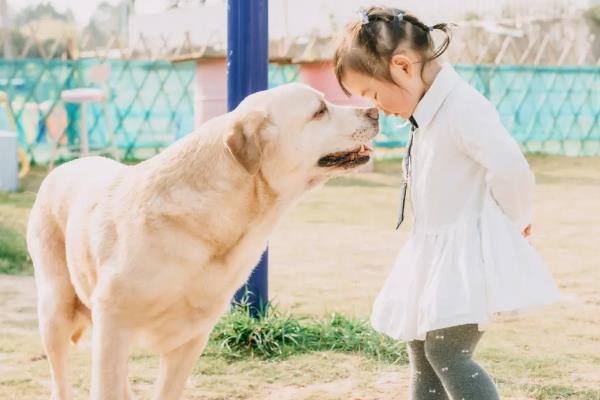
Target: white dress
<point>471,193</point>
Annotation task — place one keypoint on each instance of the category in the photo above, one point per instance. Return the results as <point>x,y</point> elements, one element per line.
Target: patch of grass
<point>388,165</point>
<point>17,199</point>
<point>29,324</point>
<point>14,257</point>
<point>24,197</point>
<point>353,181</point>
<point>278,335</point>
<point>6,295</point>
<point>15,382</point>
<point>555,392</point>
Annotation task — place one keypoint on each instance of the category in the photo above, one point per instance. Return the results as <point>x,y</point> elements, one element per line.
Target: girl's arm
<point>482,137</point>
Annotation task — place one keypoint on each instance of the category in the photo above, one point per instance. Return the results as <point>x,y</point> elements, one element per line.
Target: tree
<point>16,34</point>
<point>106,21</point>
<point>592,18</point>
<point>39,11</point>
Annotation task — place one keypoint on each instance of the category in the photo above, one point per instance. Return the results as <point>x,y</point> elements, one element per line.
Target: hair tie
<point>401,16</point>
<point>429,28</point>
<point>363,17</point>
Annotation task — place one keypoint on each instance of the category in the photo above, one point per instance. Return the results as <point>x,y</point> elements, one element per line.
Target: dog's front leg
<point>110,351</point>
<point>175,367</point>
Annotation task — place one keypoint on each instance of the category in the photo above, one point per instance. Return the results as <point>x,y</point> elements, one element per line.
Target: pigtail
<point>447,29</point>
<point>417,22</point>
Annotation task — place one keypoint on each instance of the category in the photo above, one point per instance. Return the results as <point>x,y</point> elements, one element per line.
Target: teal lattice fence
<point>151,102</point>
<point>280,74</point>
<point>552,110</point>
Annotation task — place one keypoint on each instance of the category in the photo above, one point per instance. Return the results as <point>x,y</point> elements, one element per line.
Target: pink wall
<point>211,90</point>
<point>211,87</point>
<point>321,77</point>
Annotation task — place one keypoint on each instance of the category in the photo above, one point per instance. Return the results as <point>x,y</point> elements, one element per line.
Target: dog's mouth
<point>347,159</point>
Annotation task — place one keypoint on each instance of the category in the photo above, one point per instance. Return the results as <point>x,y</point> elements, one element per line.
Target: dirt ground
<point>332,253</point>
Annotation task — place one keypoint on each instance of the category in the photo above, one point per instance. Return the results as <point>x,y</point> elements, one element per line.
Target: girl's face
<point>399,97</point>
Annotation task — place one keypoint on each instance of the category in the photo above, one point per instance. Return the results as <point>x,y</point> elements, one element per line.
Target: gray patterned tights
<point>442,366</point>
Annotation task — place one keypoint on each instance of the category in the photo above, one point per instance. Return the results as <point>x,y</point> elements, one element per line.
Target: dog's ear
<point>245,141</point>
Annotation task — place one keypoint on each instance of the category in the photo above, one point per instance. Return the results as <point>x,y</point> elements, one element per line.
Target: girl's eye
<point>320,112</point>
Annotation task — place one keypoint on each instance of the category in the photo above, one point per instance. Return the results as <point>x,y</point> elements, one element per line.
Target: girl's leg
<point>450,351</point>
<point>424,383</point>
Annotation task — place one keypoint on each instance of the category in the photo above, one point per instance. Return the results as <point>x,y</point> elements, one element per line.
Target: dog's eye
<point>321,111</point>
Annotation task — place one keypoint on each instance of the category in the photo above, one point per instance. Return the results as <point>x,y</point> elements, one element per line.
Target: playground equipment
<point>97,74</point>
<point>9,142</point>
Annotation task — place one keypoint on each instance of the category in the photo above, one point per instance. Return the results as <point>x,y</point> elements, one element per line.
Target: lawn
<point>331,254</point>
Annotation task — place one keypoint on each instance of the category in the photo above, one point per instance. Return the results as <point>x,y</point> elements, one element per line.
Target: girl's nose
<point>373,113</point>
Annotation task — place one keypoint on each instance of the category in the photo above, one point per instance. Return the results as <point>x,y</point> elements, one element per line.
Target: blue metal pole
<point>247,72</point>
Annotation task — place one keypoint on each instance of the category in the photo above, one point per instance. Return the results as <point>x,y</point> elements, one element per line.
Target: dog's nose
<point>373,113</point>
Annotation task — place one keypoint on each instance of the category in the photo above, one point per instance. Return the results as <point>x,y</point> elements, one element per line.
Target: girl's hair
<point>370,43</point>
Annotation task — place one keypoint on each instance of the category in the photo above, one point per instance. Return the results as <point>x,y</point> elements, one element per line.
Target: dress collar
<point>431,102</point>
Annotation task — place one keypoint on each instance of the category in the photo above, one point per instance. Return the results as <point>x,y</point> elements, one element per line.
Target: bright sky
<point>83,9</point>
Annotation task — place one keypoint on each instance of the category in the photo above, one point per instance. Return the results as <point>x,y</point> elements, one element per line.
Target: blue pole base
<point>255,294</point>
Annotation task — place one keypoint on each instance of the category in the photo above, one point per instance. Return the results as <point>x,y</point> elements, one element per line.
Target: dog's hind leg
<point>55,327</point>
<point>61,315</point>
<point>175,367</point>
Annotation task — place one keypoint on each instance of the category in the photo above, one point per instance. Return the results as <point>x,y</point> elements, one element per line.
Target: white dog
<point>152,254</point>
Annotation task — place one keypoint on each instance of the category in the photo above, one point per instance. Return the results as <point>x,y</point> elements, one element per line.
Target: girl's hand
<point>527,231</point>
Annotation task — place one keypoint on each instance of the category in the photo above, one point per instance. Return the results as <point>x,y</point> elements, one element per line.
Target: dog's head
<point>291,132</point>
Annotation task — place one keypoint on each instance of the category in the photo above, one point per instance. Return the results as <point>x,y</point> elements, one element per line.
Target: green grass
<point>14,208</point>
<point>353,181</point>
<point>17,199</point>
<point>392,166</point>
<point>14,258</point>
<point>279,335</point>
<point>555,392</point>
<point>550,356</point>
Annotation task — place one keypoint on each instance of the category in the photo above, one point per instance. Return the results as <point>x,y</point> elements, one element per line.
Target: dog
<point>152,254</point>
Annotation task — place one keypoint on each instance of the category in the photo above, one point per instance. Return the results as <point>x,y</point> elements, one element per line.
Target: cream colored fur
<point>152,254</point>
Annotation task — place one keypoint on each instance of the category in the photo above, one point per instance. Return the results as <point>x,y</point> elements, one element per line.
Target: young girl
<point>471,190</point>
